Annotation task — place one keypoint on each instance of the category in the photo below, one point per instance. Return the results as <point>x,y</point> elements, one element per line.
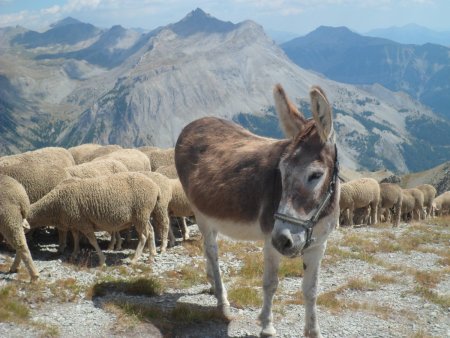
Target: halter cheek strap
<point>308,225</point>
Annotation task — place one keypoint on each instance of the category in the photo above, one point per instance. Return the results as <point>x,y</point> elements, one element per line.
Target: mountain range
<point>120,86</point>
<point>412,34</point>
<point>422,71</point>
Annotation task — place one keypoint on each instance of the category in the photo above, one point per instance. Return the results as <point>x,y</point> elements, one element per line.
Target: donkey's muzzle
<point>288,243</point>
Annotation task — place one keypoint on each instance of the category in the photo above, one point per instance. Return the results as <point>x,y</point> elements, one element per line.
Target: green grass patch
<point>188,314</point>
<point>242,297</point>
<point>12,309</point>
<point>253,266</point>
<point>291,267</point>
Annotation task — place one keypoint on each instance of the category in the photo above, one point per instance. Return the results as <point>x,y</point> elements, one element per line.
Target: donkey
<point>248,187</point>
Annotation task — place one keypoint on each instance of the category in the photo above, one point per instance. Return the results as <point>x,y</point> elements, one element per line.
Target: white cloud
<point>51,10</point>
<point>79,5</point>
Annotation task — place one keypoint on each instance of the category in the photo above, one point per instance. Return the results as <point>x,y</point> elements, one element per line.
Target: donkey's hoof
<point>312,333</point>
<point>225,311</point>
<point>268,331</point>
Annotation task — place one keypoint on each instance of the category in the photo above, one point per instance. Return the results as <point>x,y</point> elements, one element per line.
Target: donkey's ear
<point>291,120</point>
<point>321,111</point>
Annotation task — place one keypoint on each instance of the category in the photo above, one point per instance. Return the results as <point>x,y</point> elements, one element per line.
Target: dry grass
<point>443,221</point>
<point>421,334</point>
<point>428,279</point>
<point>46,330</point>
<point>335,304</point>
<point>193,246</point>
<point>296,298</point>
<point>252,267</point>
<point>433,297</point>
<point>187,277</point>
<point>384,279</point>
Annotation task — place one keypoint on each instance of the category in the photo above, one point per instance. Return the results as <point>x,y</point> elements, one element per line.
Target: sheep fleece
<point>105,203</point>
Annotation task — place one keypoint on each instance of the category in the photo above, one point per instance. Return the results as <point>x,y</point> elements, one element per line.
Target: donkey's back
<point>229,173</point>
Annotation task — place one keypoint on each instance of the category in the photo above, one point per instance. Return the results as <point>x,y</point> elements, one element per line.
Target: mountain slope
<point>421,71</point>
<point>170,79</point>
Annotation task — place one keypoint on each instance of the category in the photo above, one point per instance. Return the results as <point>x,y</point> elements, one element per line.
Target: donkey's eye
<point>315,175</point>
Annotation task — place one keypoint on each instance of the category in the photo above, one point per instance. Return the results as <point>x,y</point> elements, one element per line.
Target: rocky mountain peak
<point>198,21</point>
<point>66,21</point>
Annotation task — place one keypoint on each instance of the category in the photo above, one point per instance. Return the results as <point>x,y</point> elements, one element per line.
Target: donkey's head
<point>309,207</point>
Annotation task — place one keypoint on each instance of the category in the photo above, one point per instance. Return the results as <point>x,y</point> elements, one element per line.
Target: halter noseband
<point>308,225</point>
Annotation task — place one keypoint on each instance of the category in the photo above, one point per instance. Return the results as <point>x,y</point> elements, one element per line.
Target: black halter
<point>308,225</point>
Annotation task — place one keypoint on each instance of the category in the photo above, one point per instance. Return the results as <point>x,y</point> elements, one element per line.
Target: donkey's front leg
<point>213,271</point>
<point>311,264</point>
<point>270,284</point>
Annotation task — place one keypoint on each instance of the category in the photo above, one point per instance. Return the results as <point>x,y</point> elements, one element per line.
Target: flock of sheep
<point>91,188</point>
<point>365,201</point>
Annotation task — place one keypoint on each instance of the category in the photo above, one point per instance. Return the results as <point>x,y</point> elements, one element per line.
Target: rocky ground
<point>375,282</point>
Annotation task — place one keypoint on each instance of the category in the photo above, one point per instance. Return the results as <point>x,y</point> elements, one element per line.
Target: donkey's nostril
<point>285,240</point>
<point>286,243</point>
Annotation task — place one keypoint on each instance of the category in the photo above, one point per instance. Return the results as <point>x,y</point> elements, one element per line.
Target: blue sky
<point>296,16</point>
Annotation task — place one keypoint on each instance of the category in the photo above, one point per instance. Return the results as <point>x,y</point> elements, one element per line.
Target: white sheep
<point>391,197</point>
<point>160,157</point>
<point>96,168</point>
<point>133,159</point>
<point>408,204</point>
<point>14,207</point>
<point>88,155</point>
<point>81,151</point>
<point>180,206</point>
<point>418,213</point>
<point>168,170</point>
<point>441,204</point>
<point>173,203</point>
<point>429,193</point>
<point>38,178</point>
<point>50,155</point>
<point>106,203</point>
<point>360,193</point>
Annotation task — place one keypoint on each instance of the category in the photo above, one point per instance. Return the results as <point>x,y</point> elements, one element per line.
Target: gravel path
<point>388,309</point>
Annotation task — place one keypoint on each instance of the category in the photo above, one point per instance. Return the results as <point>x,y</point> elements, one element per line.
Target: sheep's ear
<point>321,111</point>
<point>291,120</point>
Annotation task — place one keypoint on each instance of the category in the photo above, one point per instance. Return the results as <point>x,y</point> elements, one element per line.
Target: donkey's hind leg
<point>270,285</point>
<point>212,268</point>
